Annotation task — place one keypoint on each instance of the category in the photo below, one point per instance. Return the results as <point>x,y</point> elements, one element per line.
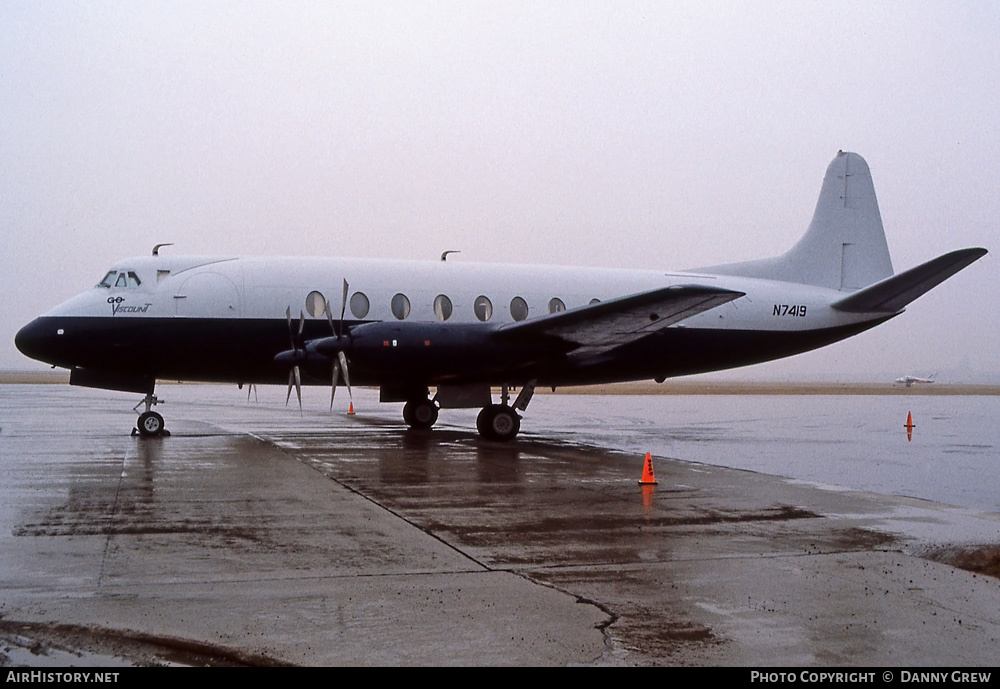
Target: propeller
<point>340,363</point>
<point>294,374</point>
<point>316,352</point>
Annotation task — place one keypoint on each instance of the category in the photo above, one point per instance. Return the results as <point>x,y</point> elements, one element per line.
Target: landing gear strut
<point>150,424</point>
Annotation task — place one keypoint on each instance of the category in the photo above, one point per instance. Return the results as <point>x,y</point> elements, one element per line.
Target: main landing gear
<point>150,424</point>
<point>420,414</point>
<point>501,422</point>
<point>497,422</point>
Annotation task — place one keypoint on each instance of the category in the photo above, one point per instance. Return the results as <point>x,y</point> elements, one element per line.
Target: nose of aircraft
<point>38,340</point>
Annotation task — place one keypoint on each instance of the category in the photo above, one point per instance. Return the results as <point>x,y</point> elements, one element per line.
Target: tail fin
<point>844,247</point>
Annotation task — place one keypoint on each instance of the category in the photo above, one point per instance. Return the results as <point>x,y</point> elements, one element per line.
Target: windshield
<point>120,278</point>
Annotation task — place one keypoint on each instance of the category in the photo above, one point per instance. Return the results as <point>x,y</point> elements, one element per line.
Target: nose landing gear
<point>149,424</point>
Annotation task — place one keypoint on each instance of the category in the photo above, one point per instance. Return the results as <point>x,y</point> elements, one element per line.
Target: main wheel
<point>150,424</point>
<point>420,414</point>
<point>498,422</point>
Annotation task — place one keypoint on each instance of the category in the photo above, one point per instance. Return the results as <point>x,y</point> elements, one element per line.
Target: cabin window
<point>556,305</point>
<point>518,308</point>
<point>359,305</point>
<point>483,308</point>
<point>400,306</point>
<point>442,307</point>
<point>315,304</point>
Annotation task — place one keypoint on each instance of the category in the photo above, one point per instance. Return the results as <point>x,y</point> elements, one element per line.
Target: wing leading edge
<point>596,328</point>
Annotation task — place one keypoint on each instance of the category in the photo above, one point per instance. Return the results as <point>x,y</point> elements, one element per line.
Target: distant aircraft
<point>461,329</point>
<point>910,380</point>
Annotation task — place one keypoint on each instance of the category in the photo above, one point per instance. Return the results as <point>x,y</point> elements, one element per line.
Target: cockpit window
<point>117,278</point>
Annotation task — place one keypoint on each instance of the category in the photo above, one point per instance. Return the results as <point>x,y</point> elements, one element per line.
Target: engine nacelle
<point>408,349</point>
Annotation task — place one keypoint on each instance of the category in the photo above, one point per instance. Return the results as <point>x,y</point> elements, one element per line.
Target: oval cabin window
<point>315,304</point>
<point>359,305</point>
<point>483,308</point>
<point>442,307</point>
<point>518,309</point>
<point>400,306</point>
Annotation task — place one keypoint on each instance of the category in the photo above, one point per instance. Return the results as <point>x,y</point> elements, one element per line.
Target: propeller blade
<point>333,389</point>
<point>294,378</point>
<point>343,306</point>
<point>347,379</point>
<point>288,318</point>
<point>302,324</point>
<point>329,317</point>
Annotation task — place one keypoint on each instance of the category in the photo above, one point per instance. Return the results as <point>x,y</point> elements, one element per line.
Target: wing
<point>599,327</point>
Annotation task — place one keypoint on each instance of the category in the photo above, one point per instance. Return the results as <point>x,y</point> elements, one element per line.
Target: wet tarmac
<point>254,534</point>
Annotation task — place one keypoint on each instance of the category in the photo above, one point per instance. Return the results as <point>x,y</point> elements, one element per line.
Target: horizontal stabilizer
<point>615,322</point>
<point>892,294</point>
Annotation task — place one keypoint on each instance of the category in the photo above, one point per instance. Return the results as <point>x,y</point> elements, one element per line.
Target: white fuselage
<point>265,288</point>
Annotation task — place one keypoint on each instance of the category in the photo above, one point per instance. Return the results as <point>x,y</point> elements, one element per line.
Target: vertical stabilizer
<point>844,247</point>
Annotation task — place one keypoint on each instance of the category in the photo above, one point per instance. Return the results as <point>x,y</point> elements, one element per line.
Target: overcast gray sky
<point>623,134</point>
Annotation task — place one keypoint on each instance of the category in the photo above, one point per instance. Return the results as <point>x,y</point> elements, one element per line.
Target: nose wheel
<point>150,424</point>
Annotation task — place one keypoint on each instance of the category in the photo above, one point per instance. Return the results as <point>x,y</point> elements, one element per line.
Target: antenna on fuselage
<point>444,254</point>
<point>156,249</point>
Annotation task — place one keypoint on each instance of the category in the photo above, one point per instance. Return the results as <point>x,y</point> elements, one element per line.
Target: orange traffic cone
<point>647,473</point>
<point>350,409</point>
<point>909,426</point>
